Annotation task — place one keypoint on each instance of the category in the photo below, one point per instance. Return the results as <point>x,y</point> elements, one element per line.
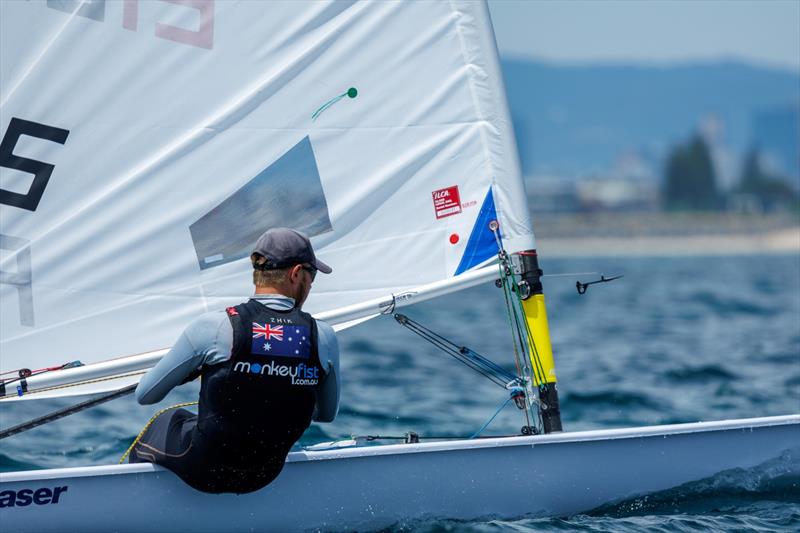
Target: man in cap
<point>267,370</point>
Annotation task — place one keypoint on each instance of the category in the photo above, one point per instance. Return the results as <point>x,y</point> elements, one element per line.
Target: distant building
<point>632,165</point>
<point>776,133</point>
<point>744,203</point>
<point>725,160</point>
<point>632,184</point>
<point>549,193</point>
<point>618,194</point>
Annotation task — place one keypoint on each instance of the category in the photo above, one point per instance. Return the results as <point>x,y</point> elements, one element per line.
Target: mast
<point>540,350</point>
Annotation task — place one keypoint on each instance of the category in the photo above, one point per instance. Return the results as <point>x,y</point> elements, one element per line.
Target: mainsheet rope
<point>61,413</point>
<point>149,423</point>
<point>502,406</point>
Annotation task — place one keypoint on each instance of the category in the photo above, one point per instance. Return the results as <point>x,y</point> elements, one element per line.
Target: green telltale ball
<point>352,92</point>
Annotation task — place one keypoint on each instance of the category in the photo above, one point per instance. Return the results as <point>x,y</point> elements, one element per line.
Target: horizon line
<point>653,63</point>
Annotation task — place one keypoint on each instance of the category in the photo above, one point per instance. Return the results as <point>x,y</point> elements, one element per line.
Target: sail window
<point>286,193</point>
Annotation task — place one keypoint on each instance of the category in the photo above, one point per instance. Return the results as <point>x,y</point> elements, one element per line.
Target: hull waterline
<point>377,486</point>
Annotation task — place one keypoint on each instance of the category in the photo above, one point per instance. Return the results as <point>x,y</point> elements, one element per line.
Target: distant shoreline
<point>786,241</point>
<point>666,234</point>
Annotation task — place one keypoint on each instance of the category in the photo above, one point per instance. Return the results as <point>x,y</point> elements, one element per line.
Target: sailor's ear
<point>296,273</point>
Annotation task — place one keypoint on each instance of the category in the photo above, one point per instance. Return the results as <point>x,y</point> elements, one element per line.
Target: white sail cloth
<point>145,145</point>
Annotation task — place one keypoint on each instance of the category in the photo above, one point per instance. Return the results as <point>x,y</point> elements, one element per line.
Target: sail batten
<point>181,146</point>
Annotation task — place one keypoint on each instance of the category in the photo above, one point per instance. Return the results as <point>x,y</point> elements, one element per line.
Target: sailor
<point>267,370</point>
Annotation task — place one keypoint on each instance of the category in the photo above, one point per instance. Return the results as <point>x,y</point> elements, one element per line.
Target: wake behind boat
<point>380,129</point>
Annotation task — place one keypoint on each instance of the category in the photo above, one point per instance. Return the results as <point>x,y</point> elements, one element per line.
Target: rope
<point>521,365</point>
<point>538,369</point>
<point>26,372</point>
<point>519,324</point>
<point>370,438</point>
<point>522,325</point>
<point>509,284</point>
<point>486,367</point>
<point>56,415</point>
<point>147,426</point>
<point>390,307</point>
<point>531,342</point>
<point>520,362</point>
<point>86,382</point>
<point>502,406</point>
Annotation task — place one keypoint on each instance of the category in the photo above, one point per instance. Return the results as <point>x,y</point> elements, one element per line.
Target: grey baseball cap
<point>285,247</point>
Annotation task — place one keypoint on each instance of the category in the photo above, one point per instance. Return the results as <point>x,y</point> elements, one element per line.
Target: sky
<point>762,32</point>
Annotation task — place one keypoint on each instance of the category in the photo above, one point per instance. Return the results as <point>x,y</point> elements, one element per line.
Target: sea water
<point>678,339</point>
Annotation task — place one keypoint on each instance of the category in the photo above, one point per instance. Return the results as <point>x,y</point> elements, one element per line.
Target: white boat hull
<point>377,486</point>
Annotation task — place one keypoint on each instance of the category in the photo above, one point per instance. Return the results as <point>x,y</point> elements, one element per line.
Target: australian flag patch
<point>281,341</point>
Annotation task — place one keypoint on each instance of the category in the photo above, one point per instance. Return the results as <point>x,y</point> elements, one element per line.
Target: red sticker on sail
<point>447,202</point>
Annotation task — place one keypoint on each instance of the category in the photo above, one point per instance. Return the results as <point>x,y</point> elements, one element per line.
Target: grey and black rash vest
<point>256,405</point>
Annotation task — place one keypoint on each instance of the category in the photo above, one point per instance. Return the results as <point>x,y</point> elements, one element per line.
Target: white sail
<point>146,145</point>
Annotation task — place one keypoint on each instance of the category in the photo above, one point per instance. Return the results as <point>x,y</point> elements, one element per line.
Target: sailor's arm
<point>328,390</point>
<point>198,344</point>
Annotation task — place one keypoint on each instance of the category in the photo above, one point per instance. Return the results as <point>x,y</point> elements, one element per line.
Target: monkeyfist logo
<point>299,375</point>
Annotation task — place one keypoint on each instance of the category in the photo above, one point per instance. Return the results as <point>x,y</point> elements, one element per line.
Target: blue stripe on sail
<point>481,244</point>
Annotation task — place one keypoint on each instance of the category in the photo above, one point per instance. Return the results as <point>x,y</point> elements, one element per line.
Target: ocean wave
<point>729,306</point>
<point>700,374</point>
<point>762,498</point>
<point>776,480</point>
<point>613,398</point>
<point>761,516</point>
<point>8,464</point>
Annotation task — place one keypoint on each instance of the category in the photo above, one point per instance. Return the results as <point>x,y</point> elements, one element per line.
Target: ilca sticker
<point>447,202</point>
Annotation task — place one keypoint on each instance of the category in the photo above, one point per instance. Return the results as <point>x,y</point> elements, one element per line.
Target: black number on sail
<point>21,277</point>
<point>41,171</point>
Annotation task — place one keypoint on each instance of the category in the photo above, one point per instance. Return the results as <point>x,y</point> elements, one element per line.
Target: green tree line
<point>690,180</point>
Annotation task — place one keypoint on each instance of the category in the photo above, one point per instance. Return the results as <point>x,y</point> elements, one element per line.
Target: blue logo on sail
<point>481,244</point>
